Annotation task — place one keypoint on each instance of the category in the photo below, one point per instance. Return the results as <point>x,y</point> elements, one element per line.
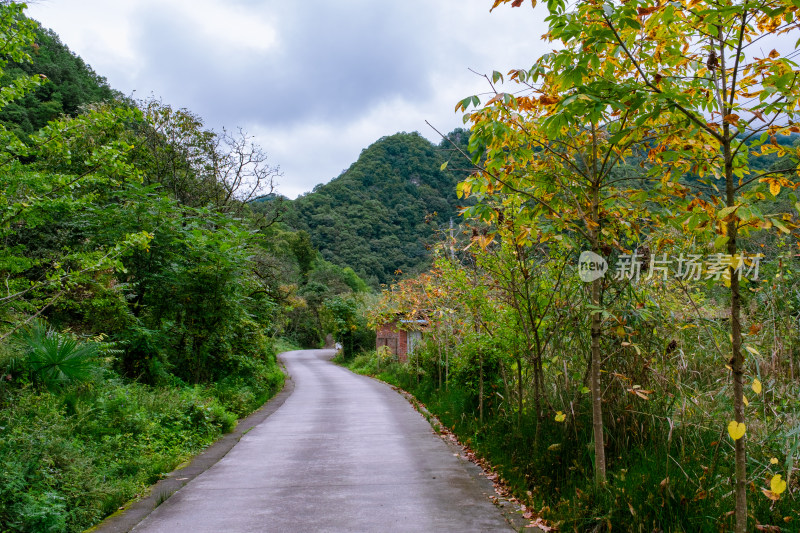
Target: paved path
<point>344,453</point>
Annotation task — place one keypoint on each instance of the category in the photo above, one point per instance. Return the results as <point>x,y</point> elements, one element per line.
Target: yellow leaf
<point>771,495</point>
<point>756,386</point>
<point>773,461</point>
<point>774,188</point>
<point>560,417</point>
<point>736,430</point>
<point>777,484</point>
<point>746,402</point>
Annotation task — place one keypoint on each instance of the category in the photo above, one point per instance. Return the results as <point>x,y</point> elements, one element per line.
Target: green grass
<point>285,345</point>
<point>72,456</point>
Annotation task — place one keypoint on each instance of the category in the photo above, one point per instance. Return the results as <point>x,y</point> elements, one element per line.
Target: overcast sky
<point>314,81</point>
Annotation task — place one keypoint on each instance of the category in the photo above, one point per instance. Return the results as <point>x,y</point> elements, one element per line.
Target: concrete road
<point>343,453</point>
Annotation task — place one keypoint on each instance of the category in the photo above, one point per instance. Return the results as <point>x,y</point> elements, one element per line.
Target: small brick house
<point>401,337</point>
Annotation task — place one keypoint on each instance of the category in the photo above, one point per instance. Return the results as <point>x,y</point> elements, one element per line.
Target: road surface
<point>343,453</point>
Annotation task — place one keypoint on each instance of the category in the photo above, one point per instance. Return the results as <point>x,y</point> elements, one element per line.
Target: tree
<point>549,172</point>
<point>383,213</point>
<point>200,167</point>
<point>712,105</point>
<point>70,85</point>
<point>533,283</point>
<point>49,204</point>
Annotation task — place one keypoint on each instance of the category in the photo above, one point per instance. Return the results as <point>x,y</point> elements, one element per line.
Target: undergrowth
<point>666,479</point>
<point>72,455</point>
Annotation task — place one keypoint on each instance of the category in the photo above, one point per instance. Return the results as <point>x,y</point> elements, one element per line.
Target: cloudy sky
<point>314,81</point>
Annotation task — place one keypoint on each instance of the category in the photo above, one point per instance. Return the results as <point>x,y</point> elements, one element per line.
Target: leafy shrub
<point>71,456</point>
<point>142,355</point>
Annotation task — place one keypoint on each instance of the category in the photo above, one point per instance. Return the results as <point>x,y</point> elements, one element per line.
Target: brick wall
<point>395,339</point>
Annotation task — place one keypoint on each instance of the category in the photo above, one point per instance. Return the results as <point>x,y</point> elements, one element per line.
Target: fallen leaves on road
<point>541,525</point>
<point>501,488</point>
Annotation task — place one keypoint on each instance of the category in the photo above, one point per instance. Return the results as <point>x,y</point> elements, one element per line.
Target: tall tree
<point>714,102</point>
<point>549,171</point>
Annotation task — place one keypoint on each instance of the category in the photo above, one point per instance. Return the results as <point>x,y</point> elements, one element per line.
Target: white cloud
<point>327,150</point>
<point>92,29</point>
<point>314,82</point>
<point>230,26</point>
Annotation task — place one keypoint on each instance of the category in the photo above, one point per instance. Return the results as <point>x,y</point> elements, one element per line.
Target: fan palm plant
<point>53,358</point>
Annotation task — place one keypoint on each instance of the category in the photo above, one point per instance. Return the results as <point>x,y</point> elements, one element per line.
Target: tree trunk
<point>597,391</point>
<point>738,404</point>
<point>480,399</point>
<point>519,393</point>
<point>737,360</point>
<point>439,362</point>
<point>596,329</point>
<point>538,387</point>
<point>447,367</point>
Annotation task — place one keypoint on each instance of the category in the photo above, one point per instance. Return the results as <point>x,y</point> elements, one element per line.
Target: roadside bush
<point>70,457</point>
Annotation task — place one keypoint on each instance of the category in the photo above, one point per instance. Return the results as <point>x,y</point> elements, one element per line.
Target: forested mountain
<point>381,214</point>
<point>72,84</point>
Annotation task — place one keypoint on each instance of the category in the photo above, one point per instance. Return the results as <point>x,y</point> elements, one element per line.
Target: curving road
<point>343,453</point>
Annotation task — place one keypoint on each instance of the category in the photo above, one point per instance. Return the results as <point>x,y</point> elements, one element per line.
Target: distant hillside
<point>381,215</point>
<point>72,84</point>
<point>378,217</point>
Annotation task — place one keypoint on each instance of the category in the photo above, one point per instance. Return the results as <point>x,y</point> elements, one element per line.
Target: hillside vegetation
<point>143,302</point>
<point>381,215</point>
<point>614,320</point>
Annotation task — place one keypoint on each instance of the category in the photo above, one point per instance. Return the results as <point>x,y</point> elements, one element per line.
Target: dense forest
<point>381,216</point>
<point>143,300</point>
<point>603,270</point>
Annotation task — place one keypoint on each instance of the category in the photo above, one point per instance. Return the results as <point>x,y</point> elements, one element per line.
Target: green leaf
<point>778,224</point>
<point>723,213</point>
<point>693,221</point>
<point>721,241</point>
<point>745,213</point>
<point>632,23</point>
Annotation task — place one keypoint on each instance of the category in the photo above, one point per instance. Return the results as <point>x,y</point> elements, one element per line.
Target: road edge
<point>510,511</point>
<point>136,511</point>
